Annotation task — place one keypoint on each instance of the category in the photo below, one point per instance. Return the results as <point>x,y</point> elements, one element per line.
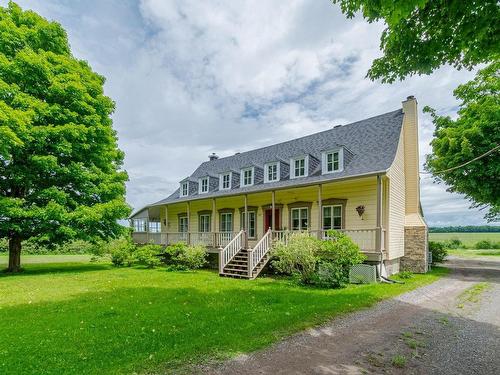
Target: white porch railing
<point>230,250</point>
<point>259,251</point>
<point>366,239</point>
<point>223,238</point>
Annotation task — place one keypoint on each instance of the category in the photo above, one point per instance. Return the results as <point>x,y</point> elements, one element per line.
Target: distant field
<point>468,239</point>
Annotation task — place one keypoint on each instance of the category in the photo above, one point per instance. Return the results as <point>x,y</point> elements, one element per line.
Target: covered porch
<point>356,207</point>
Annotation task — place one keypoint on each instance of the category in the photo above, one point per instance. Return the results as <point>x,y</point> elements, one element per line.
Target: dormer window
<point>271,172</point>
<point>225,181</point>
<point>333,161</point>
<point>203,185</point>
<point>184,189</point>
<point>299,167</point>
<point>247,177</point>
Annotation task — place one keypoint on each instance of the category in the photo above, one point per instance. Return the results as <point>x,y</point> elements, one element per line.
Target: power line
<point>464,164</point>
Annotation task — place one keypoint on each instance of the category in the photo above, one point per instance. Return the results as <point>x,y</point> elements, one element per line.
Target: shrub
<point>336,257</point>
<point>147,255</point>
<point>298,257</point>
<point>454,243</point>
<point>486,244</point>
<point>438,250</point>
<point>323,263</point>
<point>405,275</point>
<point>120,251</point>
<point>182,257</point>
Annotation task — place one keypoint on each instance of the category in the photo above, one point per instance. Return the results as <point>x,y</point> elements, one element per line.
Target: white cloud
<point>194,77</point>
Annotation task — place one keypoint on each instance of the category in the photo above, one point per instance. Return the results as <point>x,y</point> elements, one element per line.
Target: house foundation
<point>416,248</point>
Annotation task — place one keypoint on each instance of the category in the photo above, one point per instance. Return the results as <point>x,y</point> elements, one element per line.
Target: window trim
<point>324,159</point>
<point>242,223</point>
<point>226,212</point>
<point>266,172</point>
<point>207,214</point>
<point>306,166</point>
<point>242,178</point>
<point>181,217</point>
<point>200,185</point>
<point>331,206</point>
<point>142,226</point>
<point>292,206</point>
<point>221,180</point>
<point>181,193</point>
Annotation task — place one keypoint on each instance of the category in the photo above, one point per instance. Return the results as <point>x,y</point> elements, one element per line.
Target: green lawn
<point>468,239</point>
<point>76,318</point>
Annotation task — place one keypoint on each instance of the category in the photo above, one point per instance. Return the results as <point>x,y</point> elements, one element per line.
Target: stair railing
<point>230,250</point>
<point>259,251</point>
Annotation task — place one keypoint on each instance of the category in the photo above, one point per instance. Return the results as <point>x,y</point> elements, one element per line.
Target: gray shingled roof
<point>372,142</point>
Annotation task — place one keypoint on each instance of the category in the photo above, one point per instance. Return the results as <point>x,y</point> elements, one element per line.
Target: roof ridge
<point>302,137</point>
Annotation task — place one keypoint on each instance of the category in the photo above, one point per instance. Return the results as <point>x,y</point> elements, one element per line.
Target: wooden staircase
<point>238,266</point>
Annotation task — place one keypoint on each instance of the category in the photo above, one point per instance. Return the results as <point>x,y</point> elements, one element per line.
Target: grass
<point>470,253</point>
<point>76,318</point>
<point>399,361</point>
<point>472,294</point>
<point>468,239</point>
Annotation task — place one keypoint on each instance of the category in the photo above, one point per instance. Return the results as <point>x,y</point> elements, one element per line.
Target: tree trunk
<point>14,254</point>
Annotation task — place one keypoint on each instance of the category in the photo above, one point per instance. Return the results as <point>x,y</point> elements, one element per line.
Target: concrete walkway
<point>449,327</point>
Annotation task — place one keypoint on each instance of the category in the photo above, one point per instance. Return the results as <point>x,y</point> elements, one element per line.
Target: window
<point>247,177</point>
<point>271,172</point>
<point>299,167</point>
<point>225,181</point>
<point>139,225</point>
<point>204,223</point>
<point>333,161</point>
<point>183,224</point>
<point>226,222</point>
<point>299,218</point>
<point>251,223</point>
<point>203,185</point>
<point>184,189</point>
<point>154,227</point>
<point>332,217</point>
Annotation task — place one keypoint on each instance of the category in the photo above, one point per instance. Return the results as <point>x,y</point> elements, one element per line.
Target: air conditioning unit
<point>363,274</point>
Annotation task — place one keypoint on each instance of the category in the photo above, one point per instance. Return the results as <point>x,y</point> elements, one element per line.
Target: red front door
<point>268,214</point>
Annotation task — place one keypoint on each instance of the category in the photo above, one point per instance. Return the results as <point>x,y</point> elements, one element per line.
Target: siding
<point>397,202</point>
<point>411,163</point>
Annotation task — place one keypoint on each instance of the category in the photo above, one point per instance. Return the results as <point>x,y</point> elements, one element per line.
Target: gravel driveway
<point>449,327</point>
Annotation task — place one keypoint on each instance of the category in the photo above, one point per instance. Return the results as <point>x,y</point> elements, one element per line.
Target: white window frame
<point>300,210</point>
<point>183,223</point>
<point>252,170</point>
<point>204,223</point>
<point>200,185</point>
<point>266,171</point>
<point>185,183</point>
<point>306,166</point>
<point>224,220</point>
<point>139,225</point>
<point>221,180</point>
<point>331,207</point>
<point>324,164</point>
<point>252,229</point>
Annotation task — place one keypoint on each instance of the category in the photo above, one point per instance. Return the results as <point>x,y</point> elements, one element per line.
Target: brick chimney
<point>214,156</point>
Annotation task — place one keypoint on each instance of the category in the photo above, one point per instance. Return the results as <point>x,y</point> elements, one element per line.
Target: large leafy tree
<point>475,134</point>
<point>60,167</point>
<point>422,35</point>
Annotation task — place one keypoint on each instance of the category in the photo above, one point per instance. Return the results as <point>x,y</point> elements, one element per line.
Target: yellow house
<point>361,178</point>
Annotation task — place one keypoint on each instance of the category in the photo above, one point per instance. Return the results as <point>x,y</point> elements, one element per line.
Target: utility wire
<point>464,164</point>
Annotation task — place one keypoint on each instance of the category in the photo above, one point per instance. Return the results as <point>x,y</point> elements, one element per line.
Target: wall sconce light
<point>361,210</point>
<point>165,222</point>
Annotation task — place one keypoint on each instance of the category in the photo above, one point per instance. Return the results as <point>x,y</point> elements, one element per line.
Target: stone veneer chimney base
<point>416,248</point>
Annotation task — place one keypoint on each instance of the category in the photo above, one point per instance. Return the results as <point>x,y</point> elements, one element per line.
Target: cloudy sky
<point>194,77</point>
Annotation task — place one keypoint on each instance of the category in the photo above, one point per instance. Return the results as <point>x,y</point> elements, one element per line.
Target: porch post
<point>166,224</point>
<point>273,212</point>
<point>188,224</point>
<point>320,211</point>
<point>214,229</point>
<point>246,222</point>
<point>378,232</point>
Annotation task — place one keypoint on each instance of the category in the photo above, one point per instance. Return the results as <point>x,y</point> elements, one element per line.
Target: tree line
<point>466,229</point>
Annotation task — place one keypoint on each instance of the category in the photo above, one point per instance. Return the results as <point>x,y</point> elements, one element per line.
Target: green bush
<point>337,255</point>
<point>120,250</point>
<point>182,257</point>
<point>312,261</point>
<point>405,275</point>
<point>34,247</point>
<point>454,243</point>
<point>486,245</point>
<point>297,257</point>
<point>147,255</point>
<point>438,250</point>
